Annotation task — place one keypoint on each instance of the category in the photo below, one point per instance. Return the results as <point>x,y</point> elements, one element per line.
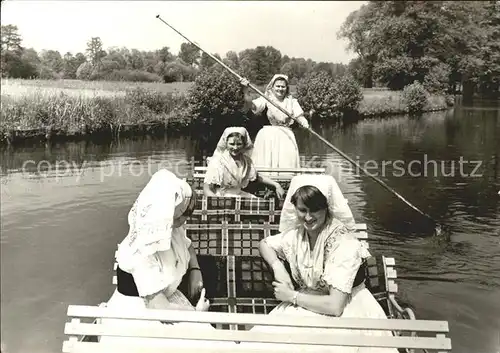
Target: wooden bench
<point>276,342</point>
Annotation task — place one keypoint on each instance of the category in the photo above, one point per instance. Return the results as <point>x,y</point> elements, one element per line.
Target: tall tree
<point>95,51</point>
<point>189,53</point>
<point>402,41</point>
<point>232,60</point>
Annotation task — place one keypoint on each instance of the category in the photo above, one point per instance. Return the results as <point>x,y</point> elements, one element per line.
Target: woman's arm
<point>268,181</point>
<point>159,301</point>
<point>195,284</point>
<point>248,103</point>
<point>193,260</point>
<point>269,255</point>
<point>331,304</point>
<point>209,190</point>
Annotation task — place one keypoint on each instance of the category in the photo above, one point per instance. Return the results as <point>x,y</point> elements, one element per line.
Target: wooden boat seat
<point>433,333</point>
<point>282,175</point>
<point>239,209</point>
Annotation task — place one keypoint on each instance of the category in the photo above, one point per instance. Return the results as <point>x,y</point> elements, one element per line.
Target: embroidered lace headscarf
<point>151,218</point>
<point>222,144</point>
<point>337,203</point>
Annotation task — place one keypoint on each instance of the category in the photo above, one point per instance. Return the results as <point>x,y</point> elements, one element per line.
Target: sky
<point>306,29</point>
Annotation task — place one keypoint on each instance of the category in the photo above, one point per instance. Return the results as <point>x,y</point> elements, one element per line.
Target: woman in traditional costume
<point>326,261</point>
<point>231,168</point>
<point>155,256</point>
<point>275,144</point>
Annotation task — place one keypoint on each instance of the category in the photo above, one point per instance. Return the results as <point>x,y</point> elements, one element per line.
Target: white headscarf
<point>152,216</point>
<point>269,89</point>
<point>337,203</point>
<point>222,144</point>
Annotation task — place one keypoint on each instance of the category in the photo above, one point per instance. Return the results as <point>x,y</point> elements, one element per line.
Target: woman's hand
<point>203,304</point>
<point>281,275</point>
<point>195,283</point>
<point>283,292</point>
<point>244,82</point>
<point>279,191</point>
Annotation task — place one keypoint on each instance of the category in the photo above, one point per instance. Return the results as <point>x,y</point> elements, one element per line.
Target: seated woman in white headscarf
<point>155,255</point>
<point>324,259</point>
<point>275,144</point>
<point>231,169</point>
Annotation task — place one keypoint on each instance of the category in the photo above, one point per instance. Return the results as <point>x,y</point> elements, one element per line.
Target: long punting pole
<point>437,226</point>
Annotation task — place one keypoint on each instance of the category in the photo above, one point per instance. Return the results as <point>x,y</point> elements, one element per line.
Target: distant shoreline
<point>71,109</point>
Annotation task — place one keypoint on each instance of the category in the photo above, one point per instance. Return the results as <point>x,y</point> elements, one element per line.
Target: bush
<point>131,76</point>
<point>324,96</point>
<point>316,95</point>
<point>154,101</point>
<point>348,94</point>
<point>84,71</point>
<point>216,98</point>
<point>415,97</point>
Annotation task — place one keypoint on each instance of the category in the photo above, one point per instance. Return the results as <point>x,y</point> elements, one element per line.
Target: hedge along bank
<point>215,98</point>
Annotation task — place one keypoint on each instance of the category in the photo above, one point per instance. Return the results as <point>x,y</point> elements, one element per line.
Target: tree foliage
<point>258,64</point>
<point>216,98</point>
<point>322,95</point>
<point>398,42</point>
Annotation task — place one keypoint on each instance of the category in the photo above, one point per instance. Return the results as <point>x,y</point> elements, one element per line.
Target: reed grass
<point>74,107</point>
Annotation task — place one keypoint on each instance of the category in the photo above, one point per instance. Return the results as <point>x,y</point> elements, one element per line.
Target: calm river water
<point>60,227</point>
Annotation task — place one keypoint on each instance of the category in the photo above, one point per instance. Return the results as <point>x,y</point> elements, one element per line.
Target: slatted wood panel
<point>275,173</point>
<point>281,175</point>
<point>204,338</point>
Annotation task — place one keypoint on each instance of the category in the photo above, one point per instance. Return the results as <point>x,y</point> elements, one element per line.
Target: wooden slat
<point>247,226</point>
<point>360,226</point>
<point>275,177</point>
<point>169,332</point>
<point>391,273</point>
<point>393,287</point>
<point>91,347</point>
<point>251,319</point>
<point>389,261</point>
<point>277,170</point>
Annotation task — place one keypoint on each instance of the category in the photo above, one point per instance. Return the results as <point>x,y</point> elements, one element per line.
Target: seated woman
<point>231,169</point>
<point>156,254</point>
<point>324,258</point>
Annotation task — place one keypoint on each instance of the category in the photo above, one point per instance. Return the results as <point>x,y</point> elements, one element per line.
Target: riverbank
<point>72,109</point>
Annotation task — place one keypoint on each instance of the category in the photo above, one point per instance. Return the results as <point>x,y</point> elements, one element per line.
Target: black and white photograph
<point>250,176</point>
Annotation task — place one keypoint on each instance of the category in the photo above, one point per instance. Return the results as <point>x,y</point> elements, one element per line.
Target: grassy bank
<point>383,102</point>
<point>68,108</point>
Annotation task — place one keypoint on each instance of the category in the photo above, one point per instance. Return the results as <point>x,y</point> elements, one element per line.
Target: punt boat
<point>225,232</point>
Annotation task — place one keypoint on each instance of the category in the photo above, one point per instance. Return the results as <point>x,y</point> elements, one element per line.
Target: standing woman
<point>275,145</point>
